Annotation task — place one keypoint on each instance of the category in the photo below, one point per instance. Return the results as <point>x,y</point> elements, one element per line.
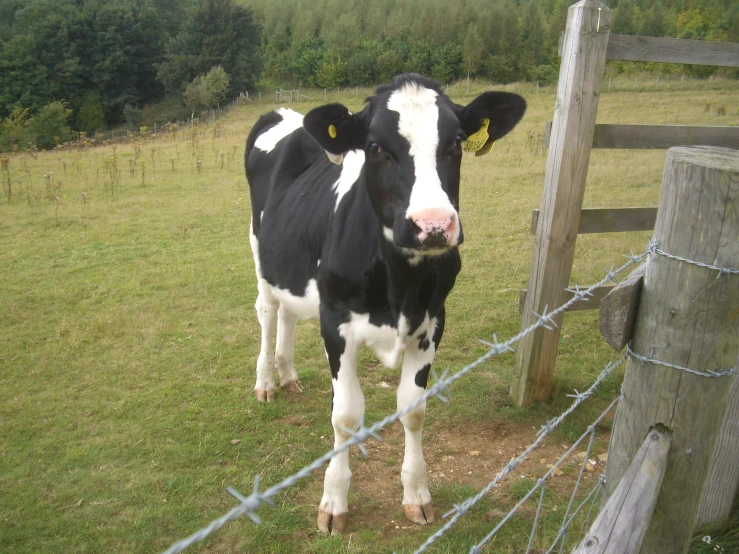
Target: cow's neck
<point>412,288</point>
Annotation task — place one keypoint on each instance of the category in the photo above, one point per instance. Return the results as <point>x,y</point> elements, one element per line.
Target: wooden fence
<point>585,47</point>
<point>673,461</point>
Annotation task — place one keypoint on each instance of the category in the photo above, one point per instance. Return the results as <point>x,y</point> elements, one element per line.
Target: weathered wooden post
<point>688,318</point>
<point>573,127</point>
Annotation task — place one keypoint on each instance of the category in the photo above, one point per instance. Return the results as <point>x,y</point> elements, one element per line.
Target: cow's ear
<point>335,128</point>
<point>490,117</point>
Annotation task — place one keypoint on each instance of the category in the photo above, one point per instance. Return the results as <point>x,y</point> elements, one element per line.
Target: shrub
<point>14,130</point>
<point>499,69</point>
<point>91,116</point>
<point>133,116</point>
<point>332,73</point>
<point>448,63</point>
<point>207,90</point>
<point>544,74</point>
<point>50,125</point>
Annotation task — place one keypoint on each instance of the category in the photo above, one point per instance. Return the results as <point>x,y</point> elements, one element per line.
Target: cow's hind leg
<point>266,307</point>
<point>416,496</point>
<point>286,323</point>
<point>346,416</point>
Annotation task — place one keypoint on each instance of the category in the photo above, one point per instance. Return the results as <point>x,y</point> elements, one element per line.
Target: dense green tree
<point>362,65</point>
<point>127,53</point>
<point>448,63</point>
<point>216,32</point>
<point>120,43</point>
<point>392,60</point>
<point>474,49</point>
<point>654,23</point>
<point>306,60</point>
<point>623,19</point>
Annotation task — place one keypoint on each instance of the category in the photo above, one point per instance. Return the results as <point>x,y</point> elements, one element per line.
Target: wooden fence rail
<point>662,137</point>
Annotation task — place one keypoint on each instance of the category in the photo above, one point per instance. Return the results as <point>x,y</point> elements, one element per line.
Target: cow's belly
<point>306,306</point>
<point>387,342</point>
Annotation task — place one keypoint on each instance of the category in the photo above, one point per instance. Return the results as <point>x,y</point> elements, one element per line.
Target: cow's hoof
<point>419,514</point>
<point>334,524</point>
<point>292,386</point>
<point>264,395</point>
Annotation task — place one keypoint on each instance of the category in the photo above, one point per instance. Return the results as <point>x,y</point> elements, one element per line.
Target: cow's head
<point>412,136</point>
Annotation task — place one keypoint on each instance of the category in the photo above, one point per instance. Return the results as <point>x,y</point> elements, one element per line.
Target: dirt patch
<point>457,456</point>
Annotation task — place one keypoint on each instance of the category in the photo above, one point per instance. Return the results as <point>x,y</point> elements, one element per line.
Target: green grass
<point>129,340</point>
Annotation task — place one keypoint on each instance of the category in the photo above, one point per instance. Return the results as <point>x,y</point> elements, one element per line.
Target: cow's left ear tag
<point>335,158</point>
<point>477,140</point>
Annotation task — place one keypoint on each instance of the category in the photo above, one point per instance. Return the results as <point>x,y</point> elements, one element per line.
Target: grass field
<point>129,342</point>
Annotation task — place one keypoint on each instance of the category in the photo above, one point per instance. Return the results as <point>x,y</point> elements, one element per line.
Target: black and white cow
<point>368,244</point>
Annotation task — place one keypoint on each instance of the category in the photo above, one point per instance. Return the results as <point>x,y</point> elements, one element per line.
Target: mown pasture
<point>129,342</point>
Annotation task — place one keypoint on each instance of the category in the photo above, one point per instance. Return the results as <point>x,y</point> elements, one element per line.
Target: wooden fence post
<point>723,475</point>
<point>689,318</point>
<point>581,70</point>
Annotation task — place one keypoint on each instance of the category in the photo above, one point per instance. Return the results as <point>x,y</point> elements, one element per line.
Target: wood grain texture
<point>723,475</point>
<point>690,318</point>
<point>618,310</point>
<point>658,137</point>
<point>623,522</point>
<point>578,92</point>
<point>593,303</point>
<point>672,50</point>
<point>610,220</point>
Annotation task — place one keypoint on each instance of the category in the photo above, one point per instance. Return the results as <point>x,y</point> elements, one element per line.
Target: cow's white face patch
<point>351,169</point>
<point>291,120</point>
<point>418,117</point>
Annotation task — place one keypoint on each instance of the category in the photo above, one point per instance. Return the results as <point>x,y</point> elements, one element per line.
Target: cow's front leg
<point>419,355</point>
<point>347,415</point>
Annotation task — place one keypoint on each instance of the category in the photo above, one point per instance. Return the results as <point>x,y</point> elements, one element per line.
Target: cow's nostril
<point>436,228</point>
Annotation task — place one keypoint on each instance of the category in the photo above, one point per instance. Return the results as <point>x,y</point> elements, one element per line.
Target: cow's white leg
<point>347,414</point>
<point>416,497</point>
<point>286,323</point>
<point>266,307</point>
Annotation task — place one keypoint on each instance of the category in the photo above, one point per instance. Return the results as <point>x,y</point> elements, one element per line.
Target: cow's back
<point>291,187</point>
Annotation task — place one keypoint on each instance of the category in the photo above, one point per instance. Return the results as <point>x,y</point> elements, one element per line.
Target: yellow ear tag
<point>332,131</point>
<point>485,149</point>
<point>477,140</point>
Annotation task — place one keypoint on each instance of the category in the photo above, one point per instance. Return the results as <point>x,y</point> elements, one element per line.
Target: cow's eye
<point>455,148</point>
<point>375,148</point>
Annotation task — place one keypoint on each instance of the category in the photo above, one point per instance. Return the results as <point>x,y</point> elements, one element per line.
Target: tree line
<point>103,63</point>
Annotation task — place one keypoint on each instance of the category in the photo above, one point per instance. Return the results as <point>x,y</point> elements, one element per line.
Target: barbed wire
<point>654,247</point>
<point>461,509</point>
<point>649,360</point>
<point>440,389</point>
